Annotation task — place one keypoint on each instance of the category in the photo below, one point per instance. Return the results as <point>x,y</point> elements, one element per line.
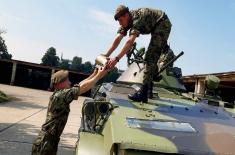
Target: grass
<point>3,97</point>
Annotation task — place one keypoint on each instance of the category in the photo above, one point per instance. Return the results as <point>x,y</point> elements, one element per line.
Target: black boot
<point>150,90</point>
<point>141,95</point>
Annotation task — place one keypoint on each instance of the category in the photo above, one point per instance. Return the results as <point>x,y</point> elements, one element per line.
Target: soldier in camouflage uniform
<point>58,110</point>
<point>166,55</point>
<point>141,21</point>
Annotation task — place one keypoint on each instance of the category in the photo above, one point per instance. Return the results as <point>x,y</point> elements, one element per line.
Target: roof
<point>38,65</point>
<point>226,78</point>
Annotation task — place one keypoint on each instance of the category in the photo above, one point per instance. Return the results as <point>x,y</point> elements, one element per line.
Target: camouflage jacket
<point>58,110</point>
<point>143,21</point>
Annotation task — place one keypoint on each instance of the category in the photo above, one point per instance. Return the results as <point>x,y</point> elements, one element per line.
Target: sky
<point>203,29</point>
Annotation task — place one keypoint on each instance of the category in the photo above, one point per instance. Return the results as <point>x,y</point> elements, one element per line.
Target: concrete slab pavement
<point>21,120</point>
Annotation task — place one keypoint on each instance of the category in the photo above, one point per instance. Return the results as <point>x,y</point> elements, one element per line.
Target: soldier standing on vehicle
<point>141,21</point>
<point>166,55</point>
<point>58,109</point>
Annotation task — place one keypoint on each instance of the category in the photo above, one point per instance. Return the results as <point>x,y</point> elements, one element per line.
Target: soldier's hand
<point>102,71</point>
<point>95,71</point>
<point>111,63</point>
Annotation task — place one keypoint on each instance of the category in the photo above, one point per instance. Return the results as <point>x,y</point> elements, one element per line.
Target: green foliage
<point>50,58</point>
<point>87,67</point>
<point>3,48</point>
<point>76,64</point>
<point>111,76</point>
<point>64,64</point>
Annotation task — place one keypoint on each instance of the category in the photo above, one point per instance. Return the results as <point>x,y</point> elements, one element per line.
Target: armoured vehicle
<point>173,122</point>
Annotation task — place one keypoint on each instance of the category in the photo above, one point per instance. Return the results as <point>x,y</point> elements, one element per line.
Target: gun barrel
<point>170,62</point>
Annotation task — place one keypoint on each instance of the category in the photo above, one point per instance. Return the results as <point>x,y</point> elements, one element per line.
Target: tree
<point>64,64</point>
<point>3,48</point>
<point>50,58</point>
<point>111,76</point>
<point>87,67</point>
<point>76,64</point>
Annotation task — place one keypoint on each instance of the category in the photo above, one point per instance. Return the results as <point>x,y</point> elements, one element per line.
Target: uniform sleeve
<point>135,29</point>
<point>72,94</point>
<point>122,31</point>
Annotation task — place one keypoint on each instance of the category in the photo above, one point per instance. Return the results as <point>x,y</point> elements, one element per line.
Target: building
<point>32,75</point>
<point>195,83</point>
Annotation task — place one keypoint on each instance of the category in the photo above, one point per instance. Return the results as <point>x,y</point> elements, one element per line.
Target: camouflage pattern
<point>156,23</point>
<point>165,57</point>
<point>157,42</point>
<point>57,114</point>
<point>144,21</point>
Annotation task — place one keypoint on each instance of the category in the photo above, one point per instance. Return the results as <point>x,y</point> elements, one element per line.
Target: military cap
<point>59,76</point>
<point>120,11</point>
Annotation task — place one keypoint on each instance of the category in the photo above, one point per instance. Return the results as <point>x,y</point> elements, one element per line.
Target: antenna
<point>61,57</point>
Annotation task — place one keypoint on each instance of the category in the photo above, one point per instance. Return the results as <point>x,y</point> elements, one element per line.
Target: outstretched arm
<point>112,62</point>
<point>92,75</point>
<point>90,82</point>
<point>114,45</point>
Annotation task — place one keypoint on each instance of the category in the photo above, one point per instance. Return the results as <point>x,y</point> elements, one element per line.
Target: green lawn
<point>3,97</point>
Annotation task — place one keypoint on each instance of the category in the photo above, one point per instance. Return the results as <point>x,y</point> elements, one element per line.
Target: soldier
<point>58,109</point>
<point>166,55</point>
<point>141,21</point>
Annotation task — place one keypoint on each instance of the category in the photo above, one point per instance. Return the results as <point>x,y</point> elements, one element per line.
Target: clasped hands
<point>111,62</point>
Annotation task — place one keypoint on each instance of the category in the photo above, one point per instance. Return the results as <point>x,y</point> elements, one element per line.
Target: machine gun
<point>170,62</point>
<point>137,55</point>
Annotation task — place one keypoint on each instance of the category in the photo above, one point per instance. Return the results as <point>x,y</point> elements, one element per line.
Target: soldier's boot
<point>141,95</point>
<point>150,90</point>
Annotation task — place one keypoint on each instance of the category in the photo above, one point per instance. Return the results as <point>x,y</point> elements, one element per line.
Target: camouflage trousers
<point>159,37</point>
<point>45,144</point>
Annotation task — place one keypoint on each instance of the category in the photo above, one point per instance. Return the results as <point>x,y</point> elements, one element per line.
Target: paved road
<point>21,120</point>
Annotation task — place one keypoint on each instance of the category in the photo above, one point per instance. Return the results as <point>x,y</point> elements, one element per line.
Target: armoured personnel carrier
<point>173,122</point>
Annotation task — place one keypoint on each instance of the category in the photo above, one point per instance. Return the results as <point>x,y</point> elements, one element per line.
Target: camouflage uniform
<point>57,114</point>
<point>166,57</point>
<point>156,23</point>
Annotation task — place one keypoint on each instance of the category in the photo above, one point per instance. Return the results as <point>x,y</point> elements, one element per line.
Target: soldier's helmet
<point>212,82</point>
<point>59,76</point>
<point>120,11</point>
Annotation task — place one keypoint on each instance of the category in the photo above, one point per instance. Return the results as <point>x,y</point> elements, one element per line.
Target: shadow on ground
<point>21,105</point>
<point>18,139</point>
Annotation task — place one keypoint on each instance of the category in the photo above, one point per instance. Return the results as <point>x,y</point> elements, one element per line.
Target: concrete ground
<point>21,120</point>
